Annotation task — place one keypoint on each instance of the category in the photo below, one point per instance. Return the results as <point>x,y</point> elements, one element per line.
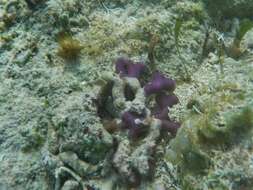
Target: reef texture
<point>97,110</point>
<point>230,8</point>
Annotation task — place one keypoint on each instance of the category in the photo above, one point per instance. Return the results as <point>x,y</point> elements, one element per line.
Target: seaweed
<point>221,50</point>
<point>244,27</point>
<point>205,49</point>
<point>69,48</point>
<point>154,39</point>
<point>241,123</point>
<point>177,31</point>
<point>235,50</point>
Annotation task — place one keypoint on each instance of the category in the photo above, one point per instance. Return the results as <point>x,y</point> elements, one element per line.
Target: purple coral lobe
<point>136,70</point>
<point>127,68</point>
<point>170,126</point>
<point>158,84</point>
<point>161,114</point>
<point>130,122</point>
<point>163,100</point>
<point>122,66</point>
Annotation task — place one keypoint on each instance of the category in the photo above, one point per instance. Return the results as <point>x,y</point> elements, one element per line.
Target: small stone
<point>70,185</point>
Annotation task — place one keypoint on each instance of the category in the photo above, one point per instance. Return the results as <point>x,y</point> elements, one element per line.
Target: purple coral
<point>127,68</point>
<point>137,118</point>
<point>170,126</point>
<point>163,100</point>
<point>132,122</point>
<point>158,84</point>
<point>128,120</point>
<point>161,114</point>
<point>161,111</point>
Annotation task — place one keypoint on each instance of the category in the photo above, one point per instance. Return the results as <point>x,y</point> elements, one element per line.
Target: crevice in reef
<point>104,98</point>
<point>129,93</point>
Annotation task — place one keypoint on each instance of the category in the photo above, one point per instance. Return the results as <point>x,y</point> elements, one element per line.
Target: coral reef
<point>90,126</point>
<point>126,99</point>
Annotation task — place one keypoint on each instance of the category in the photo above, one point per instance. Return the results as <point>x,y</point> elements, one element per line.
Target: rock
<point>82,168</point>
<point>248,40</point>
<point>80,130</point>
<point>230,8</point>
<point>70,185</point>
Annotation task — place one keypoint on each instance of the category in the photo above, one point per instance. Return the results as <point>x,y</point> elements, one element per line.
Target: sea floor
<point>83,108</point>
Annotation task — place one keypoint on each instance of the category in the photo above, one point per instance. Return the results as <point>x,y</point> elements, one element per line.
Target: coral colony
<point>139,109</point>
<point>132,106</point>
<point>158,86</point>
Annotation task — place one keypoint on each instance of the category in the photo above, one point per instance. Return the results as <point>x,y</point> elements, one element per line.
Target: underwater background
<point>126,95</point>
